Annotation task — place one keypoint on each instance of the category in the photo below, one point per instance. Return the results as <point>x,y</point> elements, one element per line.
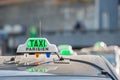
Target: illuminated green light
<point>33,31</point>
<point>37,70</point>
<point>37,43</point>
<point>98,44</point>
<point>65,52</point>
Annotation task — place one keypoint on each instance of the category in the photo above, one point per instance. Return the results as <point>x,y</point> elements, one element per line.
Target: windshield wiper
<point>103,71</point>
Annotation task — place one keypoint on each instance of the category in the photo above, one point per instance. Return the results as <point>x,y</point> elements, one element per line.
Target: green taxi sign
<point>65,46</point>
<point>37,43</point>
<point>65,52</point>
<point>33,31</point>
<point>33,45</point>
<point>98,44</point>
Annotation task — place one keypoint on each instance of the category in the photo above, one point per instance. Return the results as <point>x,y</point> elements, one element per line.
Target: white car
<point>54,67</point>
<point>80,67</point>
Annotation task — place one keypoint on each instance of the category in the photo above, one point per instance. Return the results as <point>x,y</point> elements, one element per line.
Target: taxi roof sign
<point>65,46</point>
<point>66,52</point>
<point>36,45</point>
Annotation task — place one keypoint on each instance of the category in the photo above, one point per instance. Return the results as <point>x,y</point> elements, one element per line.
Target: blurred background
<point>79,23</point>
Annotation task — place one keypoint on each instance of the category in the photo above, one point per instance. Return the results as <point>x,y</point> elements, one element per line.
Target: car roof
<point>74,68</point>
<point>96,59</point>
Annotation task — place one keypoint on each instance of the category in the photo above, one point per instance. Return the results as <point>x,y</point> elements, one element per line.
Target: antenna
<point>40,29</point>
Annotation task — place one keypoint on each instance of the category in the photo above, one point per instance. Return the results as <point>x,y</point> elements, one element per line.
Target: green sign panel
<point>37,70</point>
<point>65,52</point>
<point>37,43</point>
